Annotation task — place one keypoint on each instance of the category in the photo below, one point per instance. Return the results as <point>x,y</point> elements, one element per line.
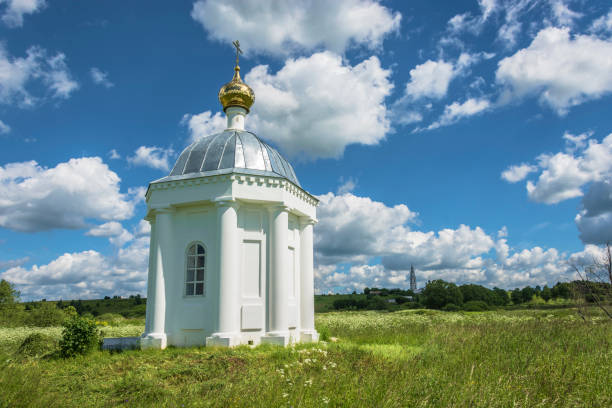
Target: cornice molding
<point>262,181</point>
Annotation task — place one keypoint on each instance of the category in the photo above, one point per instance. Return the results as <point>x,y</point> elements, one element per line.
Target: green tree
<point>439,293</point>
<point>527,293</point>
<point>8,294</point>
<point>501,297</point>
<point>546,294</point>
<point>516,296</point>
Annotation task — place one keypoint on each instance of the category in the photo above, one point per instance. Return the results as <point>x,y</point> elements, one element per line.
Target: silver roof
<point>235,150</point>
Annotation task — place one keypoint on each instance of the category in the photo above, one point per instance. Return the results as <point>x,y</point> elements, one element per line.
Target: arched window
<point>194,279</point>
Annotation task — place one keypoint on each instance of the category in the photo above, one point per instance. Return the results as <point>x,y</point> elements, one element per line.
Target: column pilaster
<point>228,332</point>
<point>161,260</point>
<point>307,323</point>
<point>278,295</point>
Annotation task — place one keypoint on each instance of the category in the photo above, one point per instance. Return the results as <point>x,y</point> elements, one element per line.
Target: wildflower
<point>325,400</point>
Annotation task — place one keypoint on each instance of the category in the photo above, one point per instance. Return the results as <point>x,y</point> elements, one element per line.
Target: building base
<point>309,336</point>
<point>279,339</point>
<point>153,341</point>
<point>221,340</point>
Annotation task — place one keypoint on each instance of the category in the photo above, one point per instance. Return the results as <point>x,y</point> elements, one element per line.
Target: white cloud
<point>602,24</point>
<point>574,142</point>
<point>345,230</point>
<point>35,198</point>
<point>100,77</point>
<point>86,274</point>
<point>317,106</point>
<point>430,79</point>
<point>114,155</point>
<point>152,156</point>
<point>562,13</point>
<point>16,74</point>
<point>4,128</point>
<point>564,174</point>
<point>313,106</point>
<point>58,77</point>
<point>456,111</point>
<point>560,70</point>
<point>114,231</point>
<point>487,7</point>
<point>283,27</point>
<point>360,242</point>
<point>204,124</point>
<point>517,173</point>
<point>347,187</point>
<point>15,10</point>
<point>594,221</point>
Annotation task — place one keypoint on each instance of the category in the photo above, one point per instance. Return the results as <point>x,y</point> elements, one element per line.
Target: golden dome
<point>236,93</point>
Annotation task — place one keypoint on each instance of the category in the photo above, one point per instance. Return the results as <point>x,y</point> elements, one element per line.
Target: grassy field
<point>411,358</point>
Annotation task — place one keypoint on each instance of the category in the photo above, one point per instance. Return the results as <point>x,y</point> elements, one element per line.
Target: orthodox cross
<point>238,50</point>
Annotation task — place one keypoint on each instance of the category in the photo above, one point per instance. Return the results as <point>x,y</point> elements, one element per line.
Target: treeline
<point>53,313</point>
<point>439,294</point>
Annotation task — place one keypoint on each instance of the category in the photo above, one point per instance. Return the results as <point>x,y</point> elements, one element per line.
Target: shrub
<point>378,303</point>
<point>45,315</point>
<point>80,336</point>
<point>475,306</point>
<point>37,345</point>
<point>451,307</point>
<point>323,333</point>
<point>111,318</point>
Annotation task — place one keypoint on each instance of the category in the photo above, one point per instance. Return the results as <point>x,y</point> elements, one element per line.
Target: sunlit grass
<point>413,358</point>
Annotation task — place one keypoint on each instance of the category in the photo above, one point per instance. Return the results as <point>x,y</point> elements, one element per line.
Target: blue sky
<point>465,137</point>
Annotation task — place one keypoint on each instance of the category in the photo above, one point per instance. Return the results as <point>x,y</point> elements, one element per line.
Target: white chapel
<point>231,255</point>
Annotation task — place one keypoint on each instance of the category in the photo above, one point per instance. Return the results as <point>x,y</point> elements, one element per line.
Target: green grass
<point>413,358</point>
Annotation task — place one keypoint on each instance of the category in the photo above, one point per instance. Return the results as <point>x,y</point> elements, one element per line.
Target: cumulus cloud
<point>36,198</point>
<point>562,13</point>
<point>430,79</point>
<point>100,77</point>
<point>284,27</point>
<point>113,154</point>
<point>360,242</point>
<point>18,73</point>
<point>561,70</point>
<point>456,111</point>
<point>564,174</point>
<point>603,24</point>
<point>58,78</point>
<point>518,172</point>
<point>316,106</point>
<point>345,231</point>
<point>86,274</point>
<point>204,124</point>
<point>152,156</point>
<point>14,10</point>
<point>4,128</point>
<point>114,231</point>
<point>313,107</point>
<point>594,221</point>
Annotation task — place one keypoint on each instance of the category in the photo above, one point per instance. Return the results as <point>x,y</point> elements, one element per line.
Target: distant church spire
<point>413,286</point>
